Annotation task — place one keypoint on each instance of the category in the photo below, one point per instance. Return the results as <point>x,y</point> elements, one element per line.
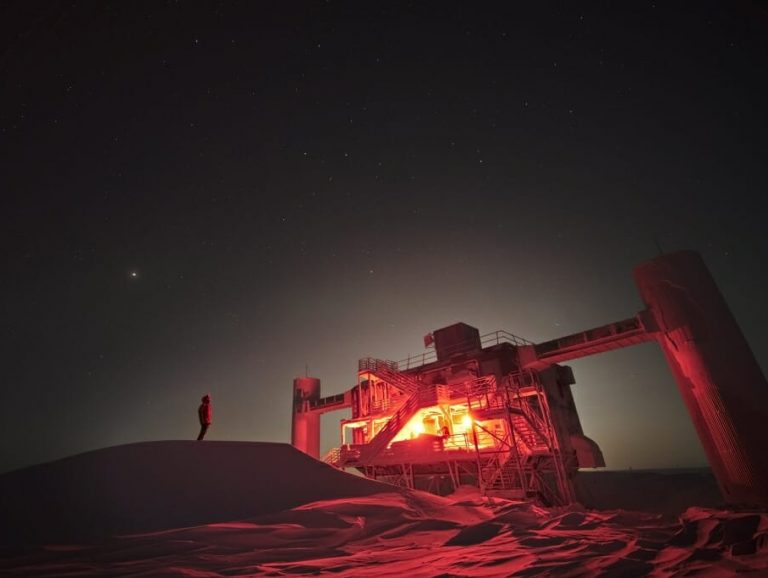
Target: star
<point>133,274</point>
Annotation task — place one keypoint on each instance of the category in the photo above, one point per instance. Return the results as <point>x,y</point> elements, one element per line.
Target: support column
<point>305,425</point>
<point>717,374</point>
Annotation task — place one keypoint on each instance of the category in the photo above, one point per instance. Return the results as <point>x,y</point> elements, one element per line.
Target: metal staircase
<point>398,420</point>
<point>506,478</point>
<point>387,371</point>
<point>527,463</point>
<point>485,401</point>
<point>333,457</point>
<point>528,428</point>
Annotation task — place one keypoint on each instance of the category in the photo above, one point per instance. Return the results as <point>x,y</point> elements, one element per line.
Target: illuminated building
<point>497,411</point>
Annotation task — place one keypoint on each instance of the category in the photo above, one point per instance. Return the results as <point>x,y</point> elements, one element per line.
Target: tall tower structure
<point>305,425</point>
<point>718,377</point>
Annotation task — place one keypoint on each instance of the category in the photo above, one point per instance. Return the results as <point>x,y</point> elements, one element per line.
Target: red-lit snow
<point>268,510</point>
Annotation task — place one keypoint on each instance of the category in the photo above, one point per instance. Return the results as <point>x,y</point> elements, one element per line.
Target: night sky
<point>210,197</point>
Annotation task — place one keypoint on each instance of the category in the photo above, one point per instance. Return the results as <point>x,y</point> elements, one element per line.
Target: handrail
<point>502,336</point>
<point>391,428</point>
<point>536,423</point>
<point>333,457</point>
<point>483,384</point>
<point>387,370</point>
<point>373,364</point>
<point>487,340</point>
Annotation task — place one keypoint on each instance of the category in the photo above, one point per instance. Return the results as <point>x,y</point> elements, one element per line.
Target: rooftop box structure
<point>456,339</point>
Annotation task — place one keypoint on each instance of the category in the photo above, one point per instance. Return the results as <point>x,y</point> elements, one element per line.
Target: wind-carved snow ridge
<point>362,529</point>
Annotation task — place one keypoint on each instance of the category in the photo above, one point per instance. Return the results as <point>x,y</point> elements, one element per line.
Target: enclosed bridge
<point>496,411</point>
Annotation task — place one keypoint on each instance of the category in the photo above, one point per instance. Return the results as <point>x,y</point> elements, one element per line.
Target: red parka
<point>204,411</point>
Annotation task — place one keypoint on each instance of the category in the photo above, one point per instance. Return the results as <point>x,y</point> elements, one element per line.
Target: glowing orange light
<point>467,421</point>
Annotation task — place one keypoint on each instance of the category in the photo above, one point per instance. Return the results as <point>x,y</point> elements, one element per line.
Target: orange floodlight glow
<point>413,429</point>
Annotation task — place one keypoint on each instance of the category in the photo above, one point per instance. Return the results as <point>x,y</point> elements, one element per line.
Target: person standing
<point>205,413</point>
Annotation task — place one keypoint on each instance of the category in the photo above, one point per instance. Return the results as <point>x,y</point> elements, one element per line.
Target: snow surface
<point>206,509</point>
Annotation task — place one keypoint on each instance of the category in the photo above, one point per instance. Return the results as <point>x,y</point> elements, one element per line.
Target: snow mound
<point>178,509</point>
<point>160,485</point>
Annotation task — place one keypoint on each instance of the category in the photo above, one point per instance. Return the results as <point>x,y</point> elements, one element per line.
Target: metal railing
<point>382,405</point>
<point>373,365</point>
<point>333,457</point>
<point>487,340</point>
<point>387,370</point>
<point>391,428</point>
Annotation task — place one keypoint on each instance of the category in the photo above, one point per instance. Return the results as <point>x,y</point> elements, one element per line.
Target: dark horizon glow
<point>210,198</point>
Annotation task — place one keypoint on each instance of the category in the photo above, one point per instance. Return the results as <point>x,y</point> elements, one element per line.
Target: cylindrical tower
<point>717,374</point>
<point>305,426</point>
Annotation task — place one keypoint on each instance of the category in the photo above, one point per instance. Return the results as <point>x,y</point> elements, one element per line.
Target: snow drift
<point>158,485</point>
<point>214,509</point>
